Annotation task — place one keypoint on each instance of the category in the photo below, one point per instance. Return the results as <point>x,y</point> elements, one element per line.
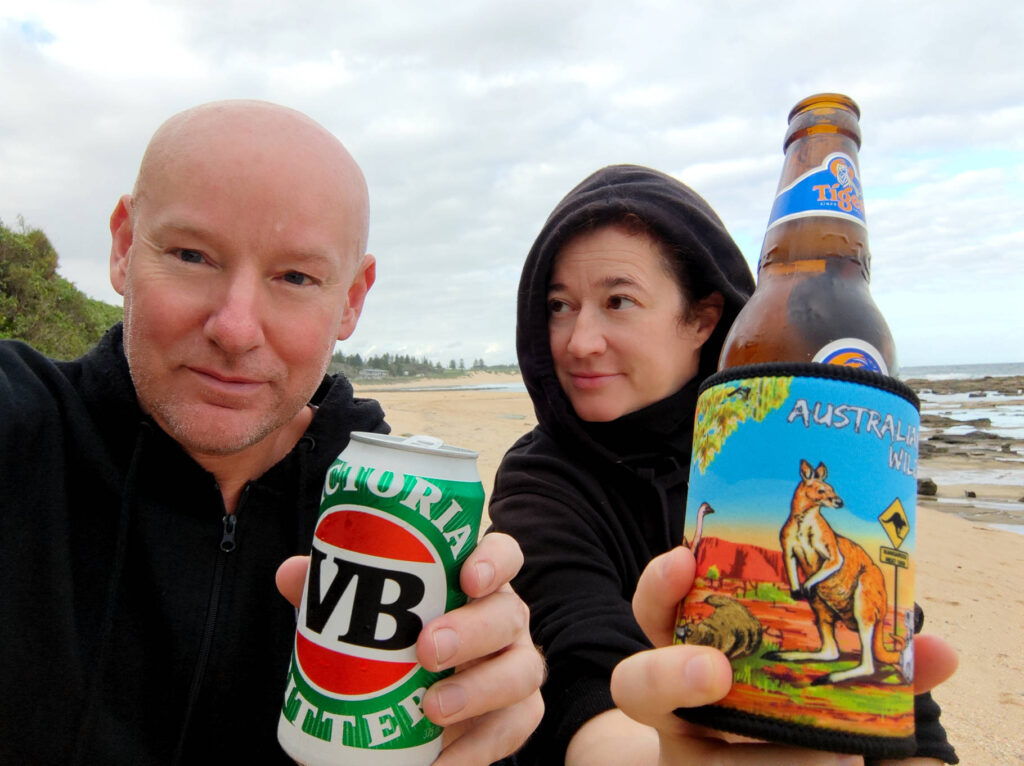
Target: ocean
<point>1005,416</point>
<point>962,371</point>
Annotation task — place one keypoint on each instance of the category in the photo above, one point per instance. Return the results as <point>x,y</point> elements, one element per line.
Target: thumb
<point>290,578</point>
<point>663,584</point>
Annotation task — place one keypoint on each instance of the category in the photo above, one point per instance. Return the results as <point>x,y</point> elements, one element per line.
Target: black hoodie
<point>138,623</point>
<point>592,503</point>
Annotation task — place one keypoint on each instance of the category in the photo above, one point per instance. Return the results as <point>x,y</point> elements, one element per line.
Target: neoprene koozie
<point>801,518</point>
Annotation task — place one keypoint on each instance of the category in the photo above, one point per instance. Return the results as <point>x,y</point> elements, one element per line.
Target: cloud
<point>472,119</point>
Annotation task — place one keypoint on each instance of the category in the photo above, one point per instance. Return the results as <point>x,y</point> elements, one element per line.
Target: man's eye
<point>190,256</point>
<point>298,278</point>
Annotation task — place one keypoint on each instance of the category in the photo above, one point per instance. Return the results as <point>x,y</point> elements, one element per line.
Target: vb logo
<point>367,605</point>
<point>373,582</point>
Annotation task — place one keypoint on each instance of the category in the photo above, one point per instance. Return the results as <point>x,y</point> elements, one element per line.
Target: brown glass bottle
<point>812,302</point>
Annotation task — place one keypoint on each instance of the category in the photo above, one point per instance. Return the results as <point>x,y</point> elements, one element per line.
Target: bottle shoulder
<point>799,310</point>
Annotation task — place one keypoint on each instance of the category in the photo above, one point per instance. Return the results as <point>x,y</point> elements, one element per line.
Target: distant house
<point>369,372</point>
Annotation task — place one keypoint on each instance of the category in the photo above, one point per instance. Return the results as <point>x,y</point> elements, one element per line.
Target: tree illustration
<point>722,408</point>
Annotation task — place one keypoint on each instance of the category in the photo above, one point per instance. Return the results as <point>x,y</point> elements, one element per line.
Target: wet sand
<point>970,578</point>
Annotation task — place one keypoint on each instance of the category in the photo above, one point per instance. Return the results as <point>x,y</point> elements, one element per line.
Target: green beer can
<point>398,516</point>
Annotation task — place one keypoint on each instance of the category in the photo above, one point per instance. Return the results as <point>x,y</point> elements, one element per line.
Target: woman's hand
<point>649,685</point>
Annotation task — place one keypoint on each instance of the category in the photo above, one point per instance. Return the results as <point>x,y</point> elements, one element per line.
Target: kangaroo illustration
<point>731,628</point>
<point>841,582</point>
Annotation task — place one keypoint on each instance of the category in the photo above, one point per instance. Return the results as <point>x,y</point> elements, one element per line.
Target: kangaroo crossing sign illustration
<point>897,526</point>
<point>894,521</point>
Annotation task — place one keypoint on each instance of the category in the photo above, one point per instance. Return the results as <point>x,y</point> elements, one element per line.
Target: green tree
<point>722,408</point>
<point>40,307</point>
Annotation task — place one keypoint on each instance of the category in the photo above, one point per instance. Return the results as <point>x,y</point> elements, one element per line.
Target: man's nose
<point>587,334</point>
<point>236,322</point>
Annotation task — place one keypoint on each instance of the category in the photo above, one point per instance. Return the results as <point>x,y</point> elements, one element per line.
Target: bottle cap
<point>825,101</point>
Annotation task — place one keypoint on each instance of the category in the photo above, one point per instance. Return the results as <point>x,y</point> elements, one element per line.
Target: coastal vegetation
<point>406,366</point>
<point>39,306</point>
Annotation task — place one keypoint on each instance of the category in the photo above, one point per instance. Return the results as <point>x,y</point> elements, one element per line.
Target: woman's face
<point>616,324</point>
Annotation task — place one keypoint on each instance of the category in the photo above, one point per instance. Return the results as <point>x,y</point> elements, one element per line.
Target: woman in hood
<point>624,302</point>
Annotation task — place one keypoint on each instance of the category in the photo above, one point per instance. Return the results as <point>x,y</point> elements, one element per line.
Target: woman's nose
<point>587,335</point>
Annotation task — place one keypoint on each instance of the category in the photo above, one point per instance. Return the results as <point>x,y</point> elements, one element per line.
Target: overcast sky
<point>472,119</point>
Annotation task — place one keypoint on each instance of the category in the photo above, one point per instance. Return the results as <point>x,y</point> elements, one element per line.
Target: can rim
<point>429,445</point>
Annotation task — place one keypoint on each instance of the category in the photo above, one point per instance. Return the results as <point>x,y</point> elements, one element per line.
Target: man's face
<point>239,270</point>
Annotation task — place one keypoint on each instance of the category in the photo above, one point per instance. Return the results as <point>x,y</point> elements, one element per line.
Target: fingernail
<point>446,643</point>
<point>485,573</point>
<point>451,698</point>
<point>700,673</point>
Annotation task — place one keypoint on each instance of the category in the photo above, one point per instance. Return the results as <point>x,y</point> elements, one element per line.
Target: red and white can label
<point>374,581</point>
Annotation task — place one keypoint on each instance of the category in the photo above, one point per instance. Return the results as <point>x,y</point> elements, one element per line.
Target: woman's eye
<point>556,306</point>
<point>617,302</point>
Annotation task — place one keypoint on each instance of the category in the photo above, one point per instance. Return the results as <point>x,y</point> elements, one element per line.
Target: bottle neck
<point>819,209</point>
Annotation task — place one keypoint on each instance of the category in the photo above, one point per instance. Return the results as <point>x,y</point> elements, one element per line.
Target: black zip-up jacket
<point>139,624</point>
<point>592,503</point>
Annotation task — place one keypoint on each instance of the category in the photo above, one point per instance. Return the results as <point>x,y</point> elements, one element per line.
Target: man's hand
<point>648,686</point>
<point>492,703</point>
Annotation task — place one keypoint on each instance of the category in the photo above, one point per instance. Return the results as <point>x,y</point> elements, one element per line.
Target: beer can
<point>398,516</point>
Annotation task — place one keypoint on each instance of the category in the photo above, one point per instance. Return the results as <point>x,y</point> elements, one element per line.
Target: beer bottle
<point>812,302</point>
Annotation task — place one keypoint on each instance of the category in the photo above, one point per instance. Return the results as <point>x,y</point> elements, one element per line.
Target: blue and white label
<point>831,189</point>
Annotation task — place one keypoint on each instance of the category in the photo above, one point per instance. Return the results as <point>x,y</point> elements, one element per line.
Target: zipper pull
<point>227,540</point>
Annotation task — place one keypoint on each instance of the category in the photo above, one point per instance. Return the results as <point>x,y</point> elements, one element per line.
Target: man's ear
<point>120,242</point>
<point>706,313</point>
<point>365,276</point>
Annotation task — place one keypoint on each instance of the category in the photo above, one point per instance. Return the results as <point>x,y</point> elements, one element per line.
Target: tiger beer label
<point>800,514</point>
<point>831,189</point>
<point>385,560</point>
<point>852,352</point>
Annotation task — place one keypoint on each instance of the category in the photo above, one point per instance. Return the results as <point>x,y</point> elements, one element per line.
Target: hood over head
<point>675,214</point>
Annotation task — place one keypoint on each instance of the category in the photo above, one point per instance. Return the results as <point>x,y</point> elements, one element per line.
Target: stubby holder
<point>801,517</point>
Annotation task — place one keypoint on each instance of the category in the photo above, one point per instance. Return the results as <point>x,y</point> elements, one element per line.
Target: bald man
<point>150,491</point>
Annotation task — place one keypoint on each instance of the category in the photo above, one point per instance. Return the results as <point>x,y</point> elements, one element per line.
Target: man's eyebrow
<point>177,227</point>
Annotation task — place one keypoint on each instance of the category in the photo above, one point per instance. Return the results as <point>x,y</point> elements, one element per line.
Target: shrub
<point>39,306</point>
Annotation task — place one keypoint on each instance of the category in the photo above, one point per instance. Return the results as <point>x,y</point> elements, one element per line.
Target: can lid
<point>430,445</point>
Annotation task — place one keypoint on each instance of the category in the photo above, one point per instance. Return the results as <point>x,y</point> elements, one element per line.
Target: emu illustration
<point>703,511</point>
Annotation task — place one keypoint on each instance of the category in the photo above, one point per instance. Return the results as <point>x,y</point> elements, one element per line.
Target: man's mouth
<point>226,382</point>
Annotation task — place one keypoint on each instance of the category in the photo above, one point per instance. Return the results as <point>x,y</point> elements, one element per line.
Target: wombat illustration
<point>731,628</point>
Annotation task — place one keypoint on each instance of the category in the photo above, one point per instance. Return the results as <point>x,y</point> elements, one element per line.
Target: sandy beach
<point>970,577</point>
